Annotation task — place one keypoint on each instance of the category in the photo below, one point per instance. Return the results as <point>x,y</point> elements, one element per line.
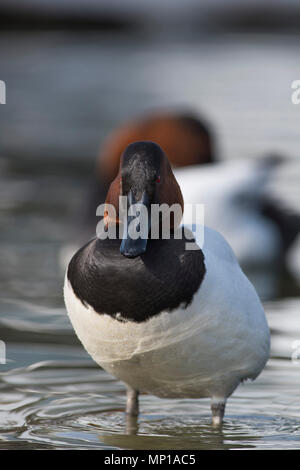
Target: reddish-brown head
<point>145,177</point>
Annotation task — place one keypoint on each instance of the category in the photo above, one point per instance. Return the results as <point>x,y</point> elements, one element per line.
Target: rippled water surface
<point>53,396</point>
<point>64,94</point>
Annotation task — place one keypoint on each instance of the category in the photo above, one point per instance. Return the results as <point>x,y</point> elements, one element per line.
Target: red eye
<point>158,179</point>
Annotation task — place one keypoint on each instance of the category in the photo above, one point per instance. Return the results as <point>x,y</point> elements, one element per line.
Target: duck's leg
<point>217,410</point>
<point>132,405</point>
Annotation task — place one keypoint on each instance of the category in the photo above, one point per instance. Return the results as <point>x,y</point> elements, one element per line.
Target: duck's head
<point>145,178</point>
<point>186,138</point>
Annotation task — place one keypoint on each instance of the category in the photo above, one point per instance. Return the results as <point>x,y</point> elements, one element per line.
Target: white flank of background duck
<point>167,321</point>
<point>233,194</point>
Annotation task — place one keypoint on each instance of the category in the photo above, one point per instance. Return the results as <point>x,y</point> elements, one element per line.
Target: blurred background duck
<point>236,194</point>
<point>186,139</point>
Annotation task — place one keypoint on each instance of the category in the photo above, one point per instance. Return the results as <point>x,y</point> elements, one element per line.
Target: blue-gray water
<point>64,93</point>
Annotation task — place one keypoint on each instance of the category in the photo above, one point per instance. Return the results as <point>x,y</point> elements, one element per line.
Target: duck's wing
<point>236,192</point>
<point>286,220</point>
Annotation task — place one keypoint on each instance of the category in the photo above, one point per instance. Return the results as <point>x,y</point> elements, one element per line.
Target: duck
<point>236,193</point>
<point>173,316</point>
<point>185,137</point>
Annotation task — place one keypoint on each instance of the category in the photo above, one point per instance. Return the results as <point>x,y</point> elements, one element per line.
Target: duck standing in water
<point>166,320</point>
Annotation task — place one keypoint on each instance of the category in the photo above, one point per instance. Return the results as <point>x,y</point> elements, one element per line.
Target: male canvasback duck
<point>164,318</point>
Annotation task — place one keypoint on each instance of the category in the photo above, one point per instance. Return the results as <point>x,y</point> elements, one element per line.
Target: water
<point>54,396</point>
<point>65,92</point>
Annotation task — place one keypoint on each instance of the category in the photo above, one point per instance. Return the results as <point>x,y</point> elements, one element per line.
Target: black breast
<point>164,278</point>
